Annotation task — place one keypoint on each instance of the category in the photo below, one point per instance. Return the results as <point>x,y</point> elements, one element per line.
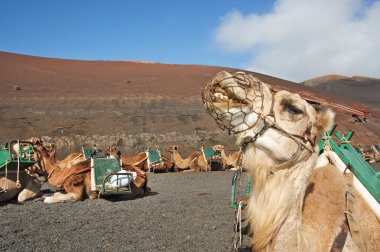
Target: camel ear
<point>325,119</point>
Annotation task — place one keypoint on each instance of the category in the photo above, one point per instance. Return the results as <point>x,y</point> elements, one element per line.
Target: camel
<point>232,161</point>
<point>27,188</point>
<point>141,161</point>
<point>76,181</point>
<point>293,205</point>
<point>23,184</point>
<point>369,154</point>
<point>194,162</point>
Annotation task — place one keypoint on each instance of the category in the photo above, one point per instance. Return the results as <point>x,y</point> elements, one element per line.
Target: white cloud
<point>303,39</point>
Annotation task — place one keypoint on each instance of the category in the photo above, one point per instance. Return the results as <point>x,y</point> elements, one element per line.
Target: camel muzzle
<point>229,98</point>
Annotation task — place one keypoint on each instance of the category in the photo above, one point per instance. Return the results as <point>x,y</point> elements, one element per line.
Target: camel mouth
<point>218,97</point>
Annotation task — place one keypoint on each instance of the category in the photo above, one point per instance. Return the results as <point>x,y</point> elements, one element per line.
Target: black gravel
<point>186,212</point>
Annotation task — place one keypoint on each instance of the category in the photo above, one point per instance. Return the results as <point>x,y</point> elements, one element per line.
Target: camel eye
<point>292,109</point>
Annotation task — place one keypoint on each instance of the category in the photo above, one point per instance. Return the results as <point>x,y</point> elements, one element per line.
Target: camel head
<point>46,150</point>
<point>112,152</point>
<point>172,148</point>
<point>35,140</point>
<point>42,152</point>
<point>49,146</point>
<point>218,147</point>
<point>276,123</point>
<point>51,150</point>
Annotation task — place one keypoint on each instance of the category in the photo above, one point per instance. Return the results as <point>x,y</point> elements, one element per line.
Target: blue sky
<point>159,31</point>
<point>282,38</point>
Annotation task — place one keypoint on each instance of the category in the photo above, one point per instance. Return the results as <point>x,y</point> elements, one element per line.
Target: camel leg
<point>189,170</point>
<point>30,191</point>
<point>69,197</point>
<point>57,194</point>
<point>74,189</point>
<point>87,181</point>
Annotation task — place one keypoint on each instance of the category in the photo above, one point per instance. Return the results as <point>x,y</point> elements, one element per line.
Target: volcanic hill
<point>132,105</point>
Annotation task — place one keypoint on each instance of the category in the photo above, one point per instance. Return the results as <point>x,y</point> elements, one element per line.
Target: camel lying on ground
<point>292,205</point>
<point>232,161</point>
<point>141,161</point>
<point>9,189</point>
<point>23,185</point>
<point>194,162</point>
<point>76,181</point>
<point>369,154</point>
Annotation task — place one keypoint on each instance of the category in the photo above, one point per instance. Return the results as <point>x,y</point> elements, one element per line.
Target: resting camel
<point>141,161</point>
<point>231,161</point>
<point>369,154</point>
<point>194,162</point>
<point>28,187</point>
<point>24,186</point>
<point>76,181</point>
<point>293,205</point>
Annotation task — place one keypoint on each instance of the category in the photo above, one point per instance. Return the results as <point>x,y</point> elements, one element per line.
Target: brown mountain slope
<point>129,104</point>
<point>357,88</point>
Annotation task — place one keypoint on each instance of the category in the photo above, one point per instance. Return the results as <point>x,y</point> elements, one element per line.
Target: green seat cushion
<point>154,156</point>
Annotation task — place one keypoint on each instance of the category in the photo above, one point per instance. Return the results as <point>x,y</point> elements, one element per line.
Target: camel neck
<point>223,155</point>
<point>276,202</point>
<point>52,169</point>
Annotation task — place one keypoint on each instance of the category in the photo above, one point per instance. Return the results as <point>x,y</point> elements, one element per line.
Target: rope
<point>194,160</point>
<point>237,239</point>
<point>238,236</point>
<point>6,174</point>
<point>6,179</point>
<point>344,140</point>
<point>326,144</point>
<point>353,224</point>
<point>206,161</point>
<point>18,184</point>
<point>139,161</point>
<point>69,164</point>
